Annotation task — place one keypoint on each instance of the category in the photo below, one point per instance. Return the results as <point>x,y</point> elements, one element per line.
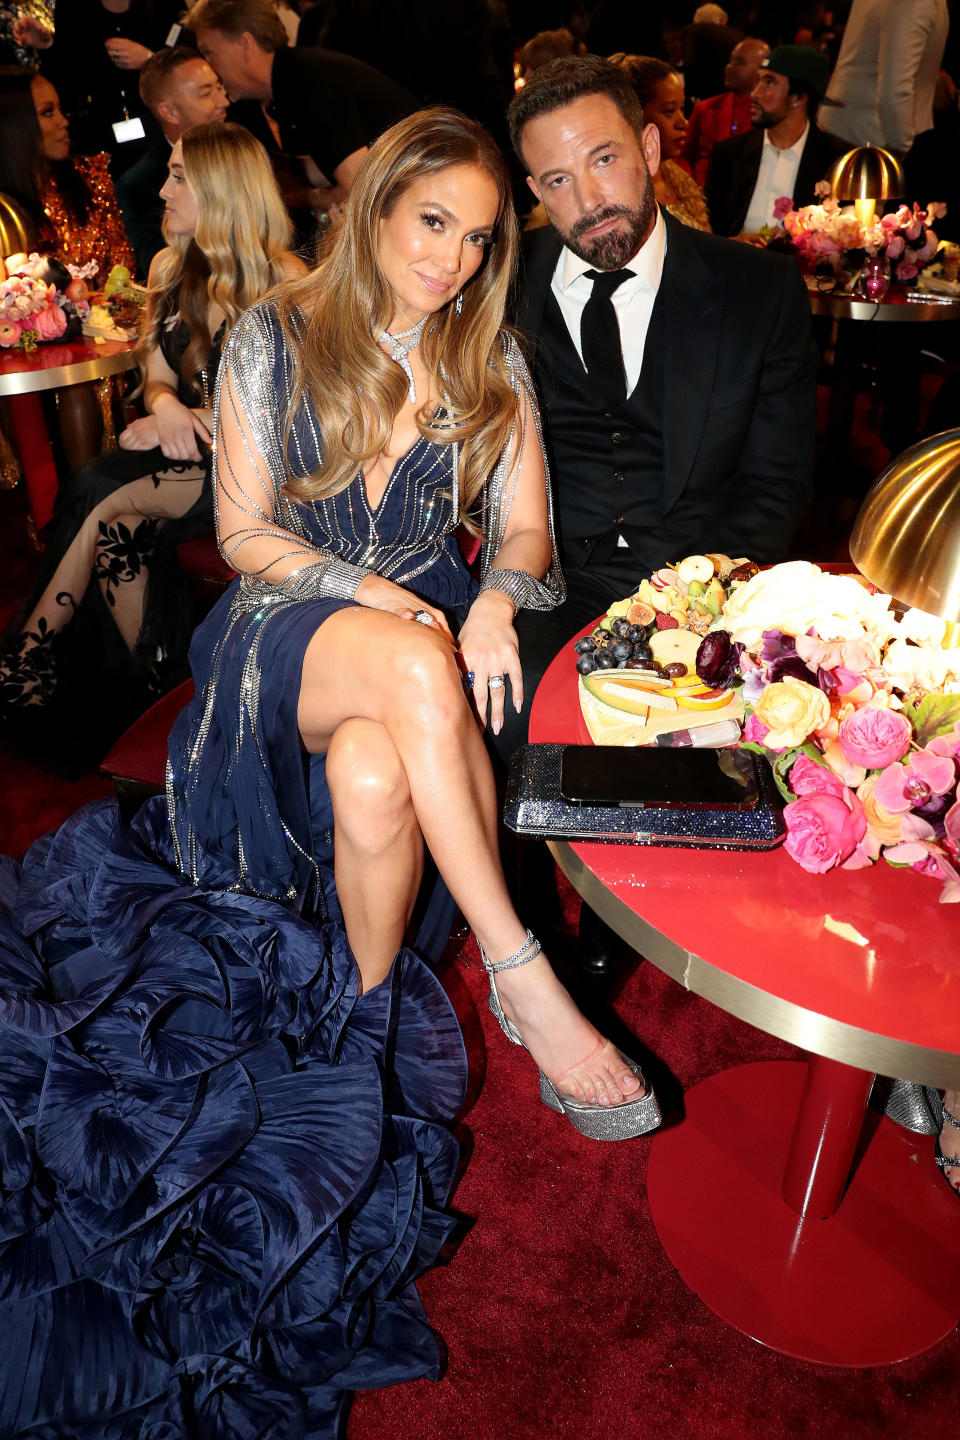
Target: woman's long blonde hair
<point>235,254</point>
<point>333,315</point>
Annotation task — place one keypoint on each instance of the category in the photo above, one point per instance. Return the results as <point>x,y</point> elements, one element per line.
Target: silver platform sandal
<point>597,1122</point>
<point>947,1162</point>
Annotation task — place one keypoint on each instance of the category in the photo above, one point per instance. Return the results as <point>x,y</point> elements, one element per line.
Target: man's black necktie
<point>600,336</point>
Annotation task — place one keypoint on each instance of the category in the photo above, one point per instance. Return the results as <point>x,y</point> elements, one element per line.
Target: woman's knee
<point>425,680</point>
<point>367,779</point>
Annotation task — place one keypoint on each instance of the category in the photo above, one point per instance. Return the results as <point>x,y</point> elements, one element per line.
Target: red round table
<point>752,1194</point>
<point>50,367</point>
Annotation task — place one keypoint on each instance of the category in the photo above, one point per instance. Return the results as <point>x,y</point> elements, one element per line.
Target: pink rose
<point>782,207</point>
<point>906,270</point>
<point>9,333</point>
<point>896,247</point>
<point>823,830</point>
<point>875,737</point>
<point>809,778</point>
<point>50,324</point>
<point>754,730</point>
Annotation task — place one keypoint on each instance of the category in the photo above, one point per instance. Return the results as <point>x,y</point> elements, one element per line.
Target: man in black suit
<point>676,371</point>
<point>321,105</point>
<point>784,154</point>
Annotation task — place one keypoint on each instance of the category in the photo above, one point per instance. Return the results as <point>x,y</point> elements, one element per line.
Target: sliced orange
<point>707,700</point>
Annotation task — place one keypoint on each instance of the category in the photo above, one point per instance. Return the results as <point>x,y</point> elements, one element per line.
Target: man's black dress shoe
<point>602,952</point>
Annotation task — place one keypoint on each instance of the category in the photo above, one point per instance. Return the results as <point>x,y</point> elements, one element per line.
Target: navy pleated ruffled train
<point>221,1169</point>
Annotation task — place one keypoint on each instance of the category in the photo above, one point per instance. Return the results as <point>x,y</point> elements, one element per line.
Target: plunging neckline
<point>374,510</point>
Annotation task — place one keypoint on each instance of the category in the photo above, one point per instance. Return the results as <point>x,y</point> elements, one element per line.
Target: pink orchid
<point>928,249</point>
<point>948,745</point>
<point>866,854</point>
<point>895,247</point>
<point>904,787</point>
<point>914,230</point>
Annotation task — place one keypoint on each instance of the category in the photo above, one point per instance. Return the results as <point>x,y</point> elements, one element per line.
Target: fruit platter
<point>116,311</point>
<point>638,669</point>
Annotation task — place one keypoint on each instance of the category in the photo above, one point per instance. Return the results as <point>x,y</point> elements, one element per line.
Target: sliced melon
<point>620,695</point>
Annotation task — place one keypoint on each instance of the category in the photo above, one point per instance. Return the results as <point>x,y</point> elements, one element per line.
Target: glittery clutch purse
<point>534,805</point>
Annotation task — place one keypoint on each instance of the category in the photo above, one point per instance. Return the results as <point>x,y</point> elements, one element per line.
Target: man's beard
<point>612,250</point>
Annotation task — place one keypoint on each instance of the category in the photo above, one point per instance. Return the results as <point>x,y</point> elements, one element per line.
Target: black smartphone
<point>649,776</point>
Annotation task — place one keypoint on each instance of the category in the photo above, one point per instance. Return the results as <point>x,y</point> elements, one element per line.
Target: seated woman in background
<point>660,90</point>
<point>109,602</point>
<point>68,198</point>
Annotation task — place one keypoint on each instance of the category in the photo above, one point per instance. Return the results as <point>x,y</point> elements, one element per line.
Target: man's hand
<point>28,31</point>
<point>127,54</point>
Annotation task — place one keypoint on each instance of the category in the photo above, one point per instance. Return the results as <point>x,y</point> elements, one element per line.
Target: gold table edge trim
<point>819,1034</point>
<point>854,307</point>
<point>28,382</point>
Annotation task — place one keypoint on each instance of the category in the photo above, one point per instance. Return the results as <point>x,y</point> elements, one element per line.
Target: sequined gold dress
<point>101,235</point>
<point>223,1167</point>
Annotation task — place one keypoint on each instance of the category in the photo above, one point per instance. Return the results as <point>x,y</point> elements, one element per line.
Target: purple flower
<point>717,660</point>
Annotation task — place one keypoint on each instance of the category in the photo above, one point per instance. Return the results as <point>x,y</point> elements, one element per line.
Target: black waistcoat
<point>607,465</point>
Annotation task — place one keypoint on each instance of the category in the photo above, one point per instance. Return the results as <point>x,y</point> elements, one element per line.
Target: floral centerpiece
<point>828,237</point>
<point>41,301</point>
<point>858,709</point>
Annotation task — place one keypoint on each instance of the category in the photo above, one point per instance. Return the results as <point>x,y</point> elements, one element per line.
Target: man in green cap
<point>783,155</point>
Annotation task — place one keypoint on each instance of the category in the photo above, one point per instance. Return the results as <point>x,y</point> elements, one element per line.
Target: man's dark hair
<point>156,71</point>
<point>570,78</point>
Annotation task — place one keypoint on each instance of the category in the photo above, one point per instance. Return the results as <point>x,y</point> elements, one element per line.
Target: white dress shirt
<point>776,177</point>
<point>632,301</point>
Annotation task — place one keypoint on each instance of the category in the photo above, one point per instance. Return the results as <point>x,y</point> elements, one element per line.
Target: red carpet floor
<point>560,1312</point>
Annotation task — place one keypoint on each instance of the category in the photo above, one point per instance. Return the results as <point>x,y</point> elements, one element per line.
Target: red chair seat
<point>201,559</point>
<point>139,757</point>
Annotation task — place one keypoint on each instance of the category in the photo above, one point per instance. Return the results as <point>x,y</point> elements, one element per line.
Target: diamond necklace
<point>402,345</point>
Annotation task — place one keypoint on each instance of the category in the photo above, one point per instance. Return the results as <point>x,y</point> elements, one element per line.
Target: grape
<point>623,650</point>
<point>606,661</point>
<point>621,628</point>
<point>585,646</point>
<point>586,663</point>
<point>642,651</point>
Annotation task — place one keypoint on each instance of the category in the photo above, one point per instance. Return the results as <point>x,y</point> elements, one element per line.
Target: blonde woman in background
<point>110,620</point>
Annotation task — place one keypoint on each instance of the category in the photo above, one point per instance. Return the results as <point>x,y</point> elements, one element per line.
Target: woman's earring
<point>458,307</point>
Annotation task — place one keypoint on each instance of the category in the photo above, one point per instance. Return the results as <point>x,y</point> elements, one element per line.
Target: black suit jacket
<point>735,164</point>
<point>739,416</point>
<point>138,194</point>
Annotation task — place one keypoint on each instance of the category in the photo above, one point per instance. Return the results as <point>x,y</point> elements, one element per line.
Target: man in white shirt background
<point>785,154</point>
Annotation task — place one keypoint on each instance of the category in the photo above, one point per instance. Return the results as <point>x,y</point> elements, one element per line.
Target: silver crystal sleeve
<point>527,591</point>
<point>258,531</point>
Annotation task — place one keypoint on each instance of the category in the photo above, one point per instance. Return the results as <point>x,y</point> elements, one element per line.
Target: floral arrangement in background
<point>826,235</point>
<point>858,711</point>
<point>41,300</point>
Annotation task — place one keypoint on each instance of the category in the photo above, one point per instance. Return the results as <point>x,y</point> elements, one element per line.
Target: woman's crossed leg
<point>382,697</point>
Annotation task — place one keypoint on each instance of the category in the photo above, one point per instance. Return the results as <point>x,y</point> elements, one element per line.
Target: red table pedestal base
<point>876,1283</point>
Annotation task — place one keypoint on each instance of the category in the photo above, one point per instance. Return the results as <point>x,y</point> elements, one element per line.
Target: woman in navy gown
<point>225,1077</point>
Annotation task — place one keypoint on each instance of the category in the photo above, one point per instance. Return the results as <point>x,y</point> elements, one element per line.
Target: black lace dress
<point>93,687</point>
